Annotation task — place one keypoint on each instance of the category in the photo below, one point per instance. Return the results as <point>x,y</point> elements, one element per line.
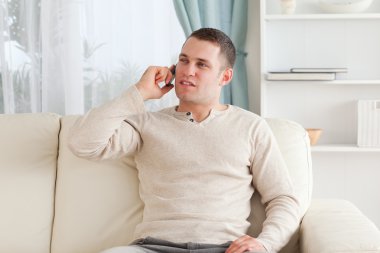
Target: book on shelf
<point>293,76</point>
<point>319,70</point>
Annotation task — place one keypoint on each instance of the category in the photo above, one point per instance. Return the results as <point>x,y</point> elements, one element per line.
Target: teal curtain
<point>230,16</point>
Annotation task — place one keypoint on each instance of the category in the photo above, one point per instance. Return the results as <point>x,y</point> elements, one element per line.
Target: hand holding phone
<point>152,84</point>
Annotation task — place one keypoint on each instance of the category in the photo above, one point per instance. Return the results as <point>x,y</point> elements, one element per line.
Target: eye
<point>183,60</point>
<point>202,65</point>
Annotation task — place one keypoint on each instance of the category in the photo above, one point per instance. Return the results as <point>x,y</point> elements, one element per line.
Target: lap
<point>152,245</point>
<point>128,249</point>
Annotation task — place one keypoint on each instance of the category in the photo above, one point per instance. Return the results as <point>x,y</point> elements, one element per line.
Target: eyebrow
<point>198,59</point>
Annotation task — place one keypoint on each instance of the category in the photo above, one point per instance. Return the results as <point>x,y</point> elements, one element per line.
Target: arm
<point>272,181</point>
<point>102,133</point>
<point>270,178</point>
<point>106,132</point>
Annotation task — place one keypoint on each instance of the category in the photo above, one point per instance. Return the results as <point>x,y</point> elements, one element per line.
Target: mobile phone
<point>173,73</point>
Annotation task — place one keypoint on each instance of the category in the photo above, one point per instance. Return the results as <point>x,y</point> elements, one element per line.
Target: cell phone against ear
<point>173,73</point>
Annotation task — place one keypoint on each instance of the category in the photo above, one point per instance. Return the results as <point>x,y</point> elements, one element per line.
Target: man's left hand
<point>245,243</point>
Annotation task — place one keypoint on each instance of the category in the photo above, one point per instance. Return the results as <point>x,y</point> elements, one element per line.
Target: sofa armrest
<point>332,225</point>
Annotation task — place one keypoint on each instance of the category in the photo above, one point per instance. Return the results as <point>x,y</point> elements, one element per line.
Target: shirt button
<point>192,120</point>
<point>188,113</point>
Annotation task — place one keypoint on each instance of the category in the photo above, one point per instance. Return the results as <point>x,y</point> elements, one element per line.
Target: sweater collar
<point>187,116</point>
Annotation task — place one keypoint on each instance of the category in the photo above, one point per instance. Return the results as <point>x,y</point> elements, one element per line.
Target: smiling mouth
<point>187,83</point>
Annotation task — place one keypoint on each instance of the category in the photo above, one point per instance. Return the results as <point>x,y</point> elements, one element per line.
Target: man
<point>199,162</point>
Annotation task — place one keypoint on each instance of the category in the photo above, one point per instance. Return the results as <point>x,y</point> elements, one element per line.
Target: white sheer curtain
<point>85,51</point>
<point>62,60</point>
<point>20,56</point>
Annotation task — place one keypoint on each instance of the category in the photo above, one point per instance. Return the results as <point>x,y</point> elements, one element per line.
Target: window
<point>67,56</point>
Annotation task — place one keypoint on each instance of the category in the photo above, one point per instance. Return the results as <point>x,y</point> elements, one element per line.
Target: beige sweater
<point>196,179</point>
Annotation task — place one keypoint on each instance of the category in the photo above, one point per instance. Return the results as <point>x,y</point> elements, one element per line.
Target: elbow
<point>74,146</point>
<point>80,147</point>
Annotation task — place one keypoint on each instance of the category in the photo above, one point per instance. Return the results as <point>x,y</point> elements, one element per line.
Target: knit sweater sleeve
<point>272,181</point>
<point>103,133</point>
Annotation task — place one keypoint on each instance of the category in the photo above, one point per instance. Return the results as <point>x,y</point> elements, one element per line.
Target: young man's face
<point>200,72</point>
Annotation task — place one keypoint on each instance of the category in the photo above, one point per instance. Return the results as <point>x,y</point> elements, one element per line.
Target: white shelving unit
<point>329,83</point>
<point>270,17</point>
<point>311,38</point>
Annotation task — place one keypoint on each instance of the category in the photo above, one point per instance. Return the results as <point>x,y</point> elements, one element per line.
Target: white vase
<point>288,6</point>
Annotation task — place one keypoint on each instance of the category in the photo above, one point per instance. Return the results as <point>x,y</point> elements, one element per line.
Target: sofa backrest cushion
<point>97,203</point>
<point>28,155</point>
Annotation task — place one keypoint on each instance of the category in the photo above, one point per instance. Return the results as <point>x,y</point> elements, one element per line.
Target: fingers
<point>245,243</point>
<point>161,74</point>
<point>149,83</point>
<point>156,74</point>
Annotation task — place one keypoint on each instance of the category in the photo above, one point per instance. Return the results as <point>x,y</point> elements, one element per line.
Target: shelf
<point>335,82</point>
<point>274,17</point>
<point>342,148</point>
<point>311,38</point>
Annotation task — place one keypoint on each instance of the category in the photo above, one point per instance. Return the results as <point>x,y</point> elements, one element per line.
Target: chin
<point>183,97</point>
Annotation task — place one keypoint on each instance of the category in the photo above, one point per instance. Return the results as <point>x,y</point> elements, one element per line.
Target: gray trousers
<point>152,245</point>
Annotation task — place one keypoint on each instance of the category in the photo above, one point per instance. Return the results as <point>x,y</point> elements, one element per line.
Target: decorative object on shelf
<point>288,6</point>
<point>306,74</point>
<point>296,76</point>
<point>369,123</point>
<point>344,6</point>
<point>314,134</point>
<point>319,70</point>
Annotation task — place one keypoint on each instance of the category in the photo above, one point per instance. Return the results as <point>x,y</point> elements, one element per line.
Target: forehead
<point>201,49</point>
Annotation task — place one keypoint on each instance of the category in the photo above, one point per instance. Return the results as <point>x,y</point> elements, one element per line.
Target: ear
<point>226,76</point>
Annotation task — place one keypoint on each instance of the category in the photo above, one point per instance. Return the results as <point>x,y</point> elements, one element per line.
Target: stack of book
<point>306,74</point>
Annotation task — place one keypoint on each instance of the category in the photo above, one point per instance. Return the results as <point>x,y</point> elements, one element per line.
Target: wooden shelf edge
<point>319,16</point>
<point>343,148</point>
<point>335,82</point>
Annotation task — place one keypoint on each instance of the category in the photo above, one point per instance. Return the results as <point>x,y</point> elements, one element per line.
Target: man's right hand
<point>148,85</point>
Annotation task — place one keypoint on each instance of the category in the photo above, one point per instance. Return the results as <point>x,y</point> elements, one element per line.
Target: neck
<point>200,111</point>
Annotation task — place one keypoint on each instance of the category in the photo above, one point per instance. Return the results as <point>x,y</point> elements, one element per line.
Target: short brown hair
<point>227,48</point>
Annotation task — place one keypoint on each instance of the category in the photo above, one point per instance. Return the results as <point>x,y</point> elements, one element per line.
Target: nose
<point>189,69</point>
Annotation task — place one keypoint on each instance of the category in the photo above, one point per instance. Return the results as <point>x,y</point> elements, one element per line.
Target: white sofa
<point>52,201</point>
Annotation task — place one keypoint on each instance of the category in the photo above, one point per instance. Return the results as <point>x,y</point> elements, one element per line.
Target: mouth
<point>187,83</point>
